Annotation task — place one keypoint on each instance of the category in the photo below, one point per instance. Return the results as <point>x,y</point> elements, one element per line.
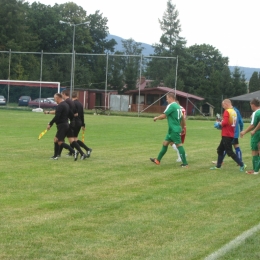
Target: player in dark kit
<point>73,117</point>
<point>61,120</point>
<point>79,123</point>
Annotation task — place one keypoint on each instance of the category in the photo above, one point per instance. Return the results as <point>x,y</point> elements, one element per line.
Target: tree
<point>115,73</point>
<point>16,36</point>
<point>171,45</point>
<point>171,41</point>
<point>132,65</point>
<point>15,33</point>
<point>254,82</point>
<point>239,82</point>
<point>99,32</point>
<point>208,74</point>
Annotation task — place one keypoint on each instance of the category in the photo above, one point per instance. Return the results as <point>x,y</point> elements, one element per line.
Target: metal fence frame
<point>92,54</point>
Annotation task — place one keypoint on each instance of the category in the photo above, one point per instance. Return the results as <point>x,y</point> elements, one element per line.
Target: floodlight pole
<point>106,84</point>
<point>176,74</point>
<point>9,75</point>
<point>41,78</point>
<point>73,53</point>
<point>139,90</point>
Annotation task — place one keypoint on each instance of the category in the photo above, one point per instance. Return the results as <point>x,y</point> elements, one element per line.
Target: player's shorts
<point>70,132</point>
<point>226,145</point>
<point>76,131</point>
<point>173,137</point>
<point>255,140</point>
<point>235,141</point>
<point>62,130</point>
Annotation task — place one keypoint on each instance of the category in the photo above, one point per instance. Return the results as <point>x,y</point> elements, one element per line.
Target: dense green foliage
<point>34,30</point>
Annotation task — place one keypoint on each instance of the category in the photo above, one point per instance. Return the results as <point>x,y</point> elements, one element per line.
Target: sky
<point>231,26</point>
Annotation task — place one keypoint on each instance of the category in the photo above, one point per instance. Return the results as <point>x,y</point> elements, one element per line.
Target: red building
<point>91,98</point>
<point>153,100</point>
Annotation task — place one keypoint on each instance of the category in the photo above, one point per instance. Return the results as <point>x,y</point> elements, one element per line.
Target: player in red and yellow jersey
<point>228,125</point>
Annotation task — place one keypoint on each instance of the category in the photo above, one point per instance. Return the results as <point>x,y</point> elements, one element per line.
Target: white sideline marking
<point>232,244</point>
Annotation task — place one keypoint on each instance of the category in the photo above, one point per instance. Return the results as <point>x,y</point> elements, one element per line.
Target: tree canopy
<point>32,29</point>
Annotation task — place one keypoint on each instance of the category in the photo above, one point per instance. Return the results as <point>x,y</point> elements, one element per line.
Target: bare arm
<point>160,117</point>
<point>52,112</point>
<point>246,131</point>
<point>256,129</point>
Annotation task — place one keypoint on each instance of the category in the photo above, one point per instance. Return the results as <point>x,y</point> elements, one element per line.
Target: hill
<point>247,71</point>
<point>148,50</point>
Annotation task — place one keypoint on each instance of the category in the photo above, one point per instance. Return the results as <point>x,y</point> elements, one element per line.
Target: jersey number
<point>179,113</point>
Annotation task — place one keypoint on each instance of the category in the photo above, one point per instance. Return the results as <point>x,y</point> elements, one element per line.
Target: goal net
<point>6,87</point>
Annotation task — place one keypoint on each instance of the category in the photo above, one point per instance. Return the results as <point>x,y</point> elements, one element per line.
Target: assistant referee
<point>61,120</point>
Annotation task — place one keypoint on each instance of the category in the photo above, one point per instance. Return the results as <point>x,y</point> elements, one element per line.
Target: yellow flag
<point>42,134</point>
<point>83,136</point>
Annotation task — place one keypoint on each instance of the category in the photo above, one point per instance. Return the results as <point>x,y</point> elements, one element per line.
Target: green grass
<point>117,204</point>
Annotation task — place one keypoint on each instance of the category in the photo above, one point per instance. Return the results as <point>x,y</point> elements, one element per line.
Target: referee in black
<point>73,115</point>
<point>79,123</point>
<point>61,120</point>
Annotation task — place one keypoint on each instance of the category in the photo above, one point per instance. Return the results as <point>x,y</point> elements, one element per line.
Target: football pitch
<point>117,204</point>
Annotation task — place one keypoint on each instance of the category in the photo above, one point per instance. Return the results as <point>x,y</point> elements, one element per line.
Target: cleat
<point>251,172</point>
<point>54,157</point>
<point>69,154</point>
<point>76,155</point>
<point>214,168</point>
<point>154,160</point>
<point>185,166</point>
<point>242,168</point>
<point>83,157</point>
<point>215,162</point>
<point>178,160</point>
<point>89,152</point>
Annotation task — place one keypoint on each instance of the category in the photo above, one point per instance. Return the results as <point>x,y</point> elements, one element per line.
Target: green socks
<point>182,155</point>
<point>162,152</point>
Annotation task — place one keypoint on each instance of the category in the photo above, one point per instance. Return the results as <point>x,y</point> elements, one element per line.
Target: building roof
<point>248,96</point>
<point>165,90</point>
<point>95,90</point>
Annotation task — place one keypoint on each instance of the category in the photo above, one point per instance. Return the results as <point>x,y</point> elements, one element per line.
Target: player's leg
<point>237,148</point>
<point>177,140</point>
<point>255,156</point>
<point>81,144</point>
<point>73,143</point>
<point>64,130</point>
<point>163,150</point>
<point>221,153</point>
<point>228,147</point>
<point>56,149</point>
<point>174,147</point>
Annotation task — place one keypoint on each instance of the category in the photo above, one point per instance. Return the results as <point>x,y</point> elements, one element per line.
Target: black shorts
<point>62,130</point>
<point>226,145</point>
<point>235,141</point>
<point>70,132</point>
<point>76,131</point>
